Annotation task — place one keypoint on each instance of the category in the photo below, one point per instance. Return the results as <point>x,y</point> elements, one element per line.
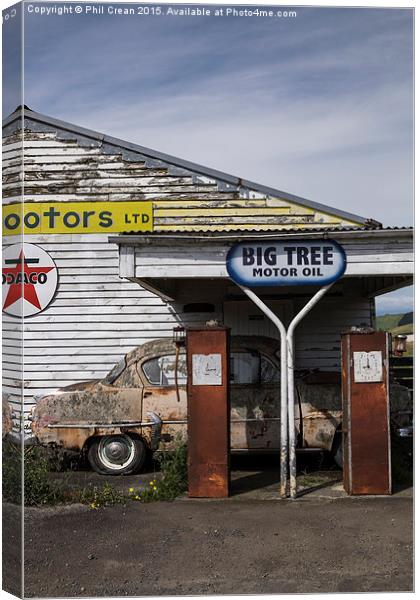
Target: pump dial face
<point>368,366</point>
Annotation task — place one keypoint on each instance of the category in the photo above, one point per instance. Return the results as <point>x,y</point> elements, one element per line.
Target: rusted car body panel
<point>255,416</point>
<point>125,399</point>
<point>7,418</point>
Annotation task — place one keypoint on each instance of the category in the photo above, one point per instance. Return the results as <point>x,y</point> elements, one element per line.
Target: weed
<point>96,497</point>
<point>39,489</point>
<point>174,476</point>
<point>12,473</point>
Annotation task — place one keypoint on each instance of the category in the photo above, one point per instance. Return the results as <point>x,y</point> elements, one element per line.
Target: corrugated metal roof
<point>226,181</point>
<point>282,231</point>
<point>134,237</point>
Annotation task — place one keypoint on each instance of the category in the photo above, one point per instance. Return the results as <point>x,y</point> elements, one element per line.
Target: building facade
<point>139,240</point>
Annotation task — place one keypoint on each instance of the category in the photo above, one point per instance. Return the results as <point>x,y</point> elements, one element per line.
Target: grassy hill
<point>388,322</point>
<point>403,329</point>
<point>392,323</point>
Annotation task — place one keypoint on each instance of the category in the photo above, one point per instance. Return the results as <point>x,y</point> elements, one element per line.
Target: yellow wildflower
<point>131,490</point>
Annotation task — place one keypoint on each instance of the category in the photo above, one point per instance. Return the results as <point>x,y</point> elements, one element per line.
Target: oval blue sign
<point>288,262</point>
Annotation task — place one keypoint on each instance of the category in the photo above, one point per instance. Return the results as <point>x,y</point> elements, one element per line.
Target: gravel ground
<point>328,543</point>
<point>251,543</point>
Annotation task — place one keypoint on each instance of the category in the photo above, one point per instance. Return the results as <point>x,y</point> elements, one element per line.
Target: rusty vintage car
<point>119,419</point>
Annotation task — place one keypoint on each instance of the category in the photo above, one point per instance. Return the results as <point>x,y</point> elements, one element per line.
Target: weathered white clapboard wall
<point>183,200</point>
<point>318,336</point>
<point>96,316</point>
<point>94,319</point>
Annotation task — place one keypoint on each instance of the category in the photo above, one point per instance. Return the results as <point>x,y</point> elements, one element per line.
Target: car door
<point>255,399</point>
<point>160,393</point>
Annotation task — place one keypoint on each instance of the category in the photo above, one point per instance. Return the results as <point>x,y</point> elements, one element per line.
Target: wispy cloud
<point>319,106</point>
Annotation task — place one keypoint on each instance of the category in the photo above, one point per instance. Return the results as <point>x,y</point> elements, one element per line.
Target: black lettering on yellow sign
<point>77,217</point>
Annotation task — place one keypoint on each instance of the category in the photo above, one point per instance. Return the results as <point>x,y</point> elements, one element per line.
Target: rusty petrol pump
<point>208,400</point>
<point>366,411</point>
<point>208,385</point>
<point>279,263</point>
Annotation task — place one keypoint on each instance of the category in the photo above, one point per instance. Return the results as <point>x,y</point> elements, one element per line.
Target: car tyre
<point>119,454</point>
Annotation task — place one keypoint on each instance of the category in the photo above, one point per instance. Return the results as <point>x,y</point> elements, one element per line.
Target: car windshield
<point>115,372</point>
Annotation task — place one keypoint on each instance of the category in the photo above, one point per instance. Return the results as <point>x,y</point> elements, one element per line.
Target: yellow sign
<point>77,217</point>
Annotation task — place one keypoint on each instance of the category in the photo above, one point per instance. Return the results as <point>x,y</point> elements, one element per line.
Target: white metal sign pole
<point>283,384</point>
<point>286,262</point>
<point>291,383</point>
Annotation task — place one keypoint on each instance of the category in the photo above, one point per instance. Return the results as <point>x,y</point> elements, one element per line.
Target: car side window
<point>269,372</point>
<point>252,368</point>
<point>161,370</point>
<point>245,367</point>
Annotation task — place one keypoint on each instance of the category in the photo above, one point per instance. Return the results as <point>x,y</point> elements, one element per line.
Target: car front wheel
<point>116,454</point>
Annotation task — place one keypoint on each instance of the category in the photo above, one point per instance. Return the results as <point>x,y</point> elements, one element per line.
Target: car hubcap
<point>116,452</point>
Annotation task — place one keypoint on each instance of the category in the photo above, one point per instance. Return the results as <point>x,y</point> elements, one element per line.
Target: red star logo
<point>22,289</point>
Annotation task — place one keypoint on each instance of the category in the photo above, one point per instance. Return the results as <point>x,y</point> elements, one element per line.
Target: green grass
<point>388,322</point>
<point>391,323</point>
<point>403,329</point>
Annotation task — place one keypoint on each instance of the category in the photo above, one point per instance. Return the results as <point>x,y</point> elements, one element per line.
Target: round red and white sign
<point>30,279</point>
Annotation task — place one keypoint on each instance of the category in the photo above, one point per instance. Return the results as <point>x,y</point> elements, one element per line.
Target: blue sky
<point>319,105</point>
